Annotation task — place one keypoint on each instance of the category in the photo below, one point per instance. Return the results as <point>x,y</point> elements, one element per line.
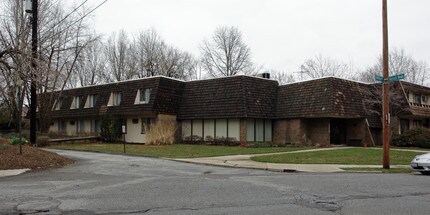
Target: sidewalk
<point>244,161</point>
<point>12,172</point>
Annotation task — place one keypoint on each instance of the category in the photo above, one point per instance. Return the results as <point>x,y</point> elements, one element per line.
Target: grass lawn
<point>358,156</point>
<point>391,170</point>
<point>172,151</point>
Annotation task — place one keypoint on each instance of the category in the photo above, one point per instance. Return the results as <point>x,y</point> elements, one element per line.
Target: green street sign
<point>379,78</point>
<point>391,78</point>
<point>396,77</point>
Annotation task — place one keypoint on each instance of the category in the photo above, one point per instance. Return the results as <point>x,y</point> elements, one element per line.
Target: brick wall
<point>280,131</point>
<point>242,130</point>
<point>318,131</point>
<point>289,131</point>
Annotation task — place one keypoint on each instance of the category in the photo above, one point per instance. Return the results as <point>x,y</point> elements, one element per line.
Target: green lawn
<point>358,156</point>
<point>172,151</point>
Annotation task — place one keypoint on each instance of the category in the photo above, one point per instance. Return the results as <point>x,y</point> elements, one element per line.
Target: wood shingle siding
<point>230,97</point>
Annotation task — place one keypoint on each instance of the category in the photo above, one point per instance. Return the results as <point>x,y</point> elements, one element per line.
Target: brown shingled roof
<point>164,98</point>
<point>229,97</point>
<point>324,97</point>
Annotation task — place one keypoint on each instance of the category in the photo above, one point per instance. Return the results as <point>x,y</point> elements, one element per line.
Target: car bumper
<point>422,167</point>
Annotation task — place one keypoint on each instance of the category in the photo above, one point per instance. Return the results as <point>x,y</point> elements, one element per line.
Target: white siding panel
<point>234,129</point>
<point>221,128</point>
<point>186,129</point>
<point>268,130</point>
<point>250,130</point>
<point>198,128</point>
<point>259,127</point>
<point>209,128</point>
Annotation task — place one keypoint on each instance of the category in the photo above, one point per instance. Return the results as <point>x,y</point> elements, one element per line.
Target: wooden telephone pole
<point>385,89</point>
<point>33,92</point>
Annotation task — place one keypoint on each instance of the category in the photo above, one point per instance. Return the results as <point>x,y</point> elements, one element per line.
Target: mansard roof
<point>164,98</point>
<point>229,97</point>
<point>319,98</point>
<point>234,97</point>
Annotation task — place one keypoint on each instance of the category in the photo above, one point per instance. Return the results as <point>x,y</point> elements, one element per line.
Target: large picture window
<point>259,130</point>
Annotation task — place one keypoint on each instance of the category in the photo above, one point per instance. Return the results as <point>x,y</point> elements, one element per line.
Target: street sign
<point>391,78</point>
<point>396,77</point>
<point>379,78</point>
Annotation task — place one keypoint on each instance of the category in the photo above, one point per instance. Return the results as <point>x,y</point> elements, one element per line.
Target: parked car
<point>421,163</point>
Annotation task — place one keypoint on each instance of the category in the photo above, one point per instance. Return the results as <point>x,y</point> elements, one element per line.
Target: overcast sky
<point>282,34</point>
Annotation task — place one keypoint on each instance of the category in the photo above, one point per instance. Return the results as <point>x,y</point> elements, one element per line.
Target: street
<point>115,184</point>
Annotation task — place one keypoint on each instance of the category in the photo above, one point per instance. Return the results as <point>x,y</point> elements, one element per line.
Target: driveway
<point>115,184</point>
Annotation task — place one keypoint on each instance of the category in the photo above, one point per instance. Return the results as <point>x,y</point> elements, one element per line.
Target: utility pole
<point>385,89</point>
<point>33,92</point>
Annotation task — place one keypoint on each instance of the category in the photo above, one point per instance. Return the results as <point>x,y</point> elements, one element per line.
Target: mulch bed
<point>31,158</point>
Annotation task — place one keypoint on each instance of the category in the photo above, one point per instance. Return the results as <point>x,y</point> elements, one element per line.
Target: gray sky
<point>282,34</point>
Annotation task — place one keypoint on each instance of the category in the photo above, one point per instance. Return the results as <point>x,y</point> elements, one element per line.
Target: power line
<point>70,14</point>
<point>80,19</point>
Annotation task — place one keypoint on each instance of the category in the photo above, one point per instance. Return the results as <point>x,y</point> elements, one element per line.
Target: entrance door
<point>337,131</point>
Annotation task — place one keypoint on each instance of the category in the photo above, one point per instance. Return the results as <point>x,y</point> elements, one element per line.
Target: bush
<point>42,141</point>
<point>161,133</point>
<point>416,137</point>
<point>109,128</point>
<point>15,140</point>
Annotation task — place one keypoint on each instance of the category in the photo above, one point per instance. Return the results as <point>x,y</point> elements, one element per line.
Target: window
<point>76,102</point>
<point>424,99</point>
<point>418,98</point>
<point>58,103</point>
<point>144,96</point>
<point>259,130</point>
<point>418,124</point>
<point>62,125</point>
<point>91,101</point>
<point>116,98</point>
<point>95,125</point>
<point>146,123</point>
<point>81,126</point>
<point>404,125</point>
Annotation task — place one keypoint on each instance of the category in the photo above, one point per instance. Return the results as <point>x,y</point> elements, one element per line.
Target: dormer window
<point>115,99</point>
<point>418,98</point>
<point>76,103</point>
<point>91,101</point>
<point>143,96</point>
<point>424,99</point>
<point>57,104</point>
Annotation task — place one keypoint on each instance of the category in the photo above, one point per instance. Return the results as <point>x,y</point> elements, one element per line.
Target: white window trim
<point>139,92</point>
<point>111,99</point>
<point>90,100</point>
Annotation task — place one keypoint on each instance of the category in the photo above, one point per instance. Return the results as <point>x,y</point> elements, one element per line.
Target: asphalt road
<point>115,184</point>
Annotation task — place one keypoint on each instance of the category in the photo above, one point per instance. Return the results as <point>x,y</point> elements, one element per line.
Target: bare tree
<point>282,77</point>
<point>226,54</point>
<point>91,65</point>
<point>400,62</point>
<point>322,66</point>
<point>118,54</point>
<point>62,38</point>
<point>154,57</point>
<point>14,56</point>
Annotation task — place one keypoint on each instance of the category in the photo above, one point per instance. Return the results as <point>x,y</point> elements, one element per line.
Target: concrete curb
<point>12,172</point>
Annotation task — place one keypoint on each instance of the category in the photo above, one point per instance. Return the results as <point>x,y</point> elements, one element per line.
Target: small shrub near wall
<point>416,137</point>
<point>110,128</point>
<point>161,133</point>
